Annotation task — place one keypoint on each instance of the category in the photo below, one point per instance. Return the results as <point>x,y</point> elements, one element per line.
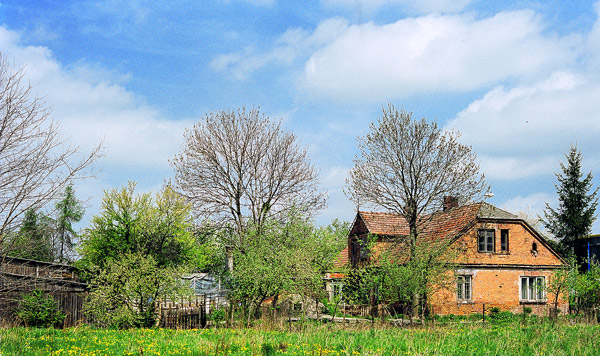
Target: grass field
<point>455,339</point>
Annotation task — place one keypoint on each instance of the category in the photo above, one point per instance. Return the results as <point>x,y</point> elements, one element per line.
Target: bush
<point>216,316</point>
<point>39,310</point>
<point>497,314</point>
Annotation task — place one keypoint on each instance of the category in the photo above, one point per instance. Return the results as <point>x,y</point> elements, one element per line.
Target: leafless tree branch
<point>36,163</point>
<point>241,166</point>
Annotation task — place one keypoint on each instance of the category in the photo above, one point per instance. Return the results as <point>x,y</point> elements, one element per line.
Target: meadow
<point>313,339</point>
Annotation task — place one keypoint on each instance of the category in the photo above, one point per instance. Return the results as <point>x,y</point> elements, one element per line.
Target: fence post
<point>483,313</point>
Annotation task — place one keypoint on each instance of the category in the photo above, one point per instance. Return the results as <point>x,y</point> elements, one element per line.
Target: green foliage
<point>584,289</point>
<point>131,223</point>
<point>283,258</point>
<point>34,239</point>
<point>127,290</point>
<point>402,278</point>
<point>456,339</point>
<point>267,349</point>
<point>208,254</point>
<point>360,285</point>
<point>39,310</point>
<point>496,314</point>
<point>135,252</point>
<point>576,211</point>
<point>69,210</point>
<point>216,316</point>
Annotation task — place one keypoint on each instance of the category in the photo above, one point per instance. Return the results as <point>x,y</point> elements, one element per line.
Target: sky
<point>519,79</point>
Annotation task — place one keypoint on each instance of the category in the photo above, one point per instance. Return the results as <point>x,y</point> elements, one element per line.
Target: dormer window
<point>485,240</point>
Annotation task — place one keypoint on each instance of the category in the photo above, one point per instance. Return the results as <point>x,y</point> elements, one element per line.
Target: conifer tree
<point>576,210</point>
<point>69,210</point>
<point>34,240</point>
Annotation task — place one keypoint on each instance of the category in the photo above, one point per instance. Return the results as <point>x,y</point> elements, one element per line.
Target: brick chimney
<point>450,202</point>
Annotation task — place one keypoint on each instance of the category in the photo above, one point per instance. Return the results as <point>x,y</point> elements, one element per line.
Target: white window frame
<point>336,290</point>
<point>532,289</point>
<point>464,288</point>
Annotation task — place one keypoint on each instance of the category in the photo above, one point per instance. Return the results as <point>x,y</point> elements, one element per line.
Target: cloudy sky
<point>519,79</point>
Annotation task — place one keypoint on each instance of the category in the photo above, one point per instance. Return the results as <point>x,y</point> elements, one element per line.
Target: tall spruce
<point>69,211</point>
<point>576,210</point>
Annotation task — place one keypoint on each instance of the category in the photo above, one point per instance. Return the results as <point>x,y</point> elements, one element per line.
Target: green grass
<point>455,339</point>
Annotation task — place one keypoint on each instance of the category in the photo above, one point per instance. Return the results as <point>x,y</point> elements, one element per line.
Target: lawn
<point>454,339</point>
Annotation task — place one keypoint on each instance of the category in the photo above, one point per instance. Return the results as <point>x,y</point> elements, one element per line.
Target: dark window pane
<point>504,240</point>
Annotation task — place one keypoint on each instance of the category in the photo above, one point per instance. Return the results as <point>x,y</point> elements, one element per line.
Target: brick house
<point>501,260</point>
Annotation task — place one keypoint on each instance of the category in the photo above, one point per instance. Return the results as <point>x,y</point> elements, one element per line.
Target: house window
<point>336,290</point>
<point>504,240</point>
<point>359,250</point>
<point>464,288</point>
<point>485,240</point>
<point>532,289</point>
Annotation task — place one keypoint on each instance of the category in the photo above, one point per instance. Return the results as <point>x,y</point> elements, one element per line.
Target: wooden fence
<point>189,312</point>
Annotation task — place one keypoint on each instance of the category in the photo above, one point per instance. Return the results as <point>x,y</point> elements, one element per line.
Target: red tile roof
<point>443,224</point>
<point>440,227</point>
<point>437,228</point>
<point>341,259</point>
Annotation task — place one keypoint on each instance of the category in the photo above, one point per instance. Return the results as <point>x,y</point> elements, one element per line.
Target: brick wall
<point>496,276</point>
<point>520,243</point>
<point>498,287</point>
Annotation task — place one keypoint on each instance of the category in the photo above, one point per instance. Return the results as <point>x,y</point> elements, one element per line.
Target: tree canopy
<point>137,249</point>
<point>241,167</point>
<point>158,226</point>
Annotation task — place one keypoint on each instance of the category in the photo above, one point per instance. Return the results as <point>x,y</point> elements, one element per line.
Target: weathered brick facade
<point>501,261</point>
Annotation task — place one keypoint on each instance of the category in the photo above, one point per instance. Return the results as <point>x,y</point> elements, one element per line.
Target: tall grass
<point>314,339</point>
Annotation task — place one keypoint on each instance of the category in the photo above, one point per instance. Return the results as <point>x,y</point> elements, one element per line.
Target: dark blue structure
<point>587,250</point>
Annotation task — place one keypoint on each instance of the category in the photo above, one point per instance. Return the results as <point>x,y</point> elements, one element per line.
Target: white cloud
<point>92,107</point>
<point>414,7</point>
<point>428,54</point>
<point>291,45</point>
<point>532,204</point>
<point>523,132</point>
<point>530,207</point>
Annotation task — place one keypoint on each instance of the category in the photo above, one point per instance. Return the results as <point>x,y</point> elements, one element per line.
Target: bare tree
<point>241,167</point>
<point>36,163</point>
<point>409,166</point>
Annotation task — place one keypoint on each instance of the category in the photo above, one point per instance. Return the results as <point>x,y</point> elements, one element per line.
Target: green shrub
<point>500,315</point>
<point>39,310</point>
<point>217,316</point>
<point>267,349</point>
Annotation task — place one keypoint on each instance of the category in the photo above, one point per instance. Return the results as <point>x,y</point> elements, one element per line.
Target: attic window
<point>485,240</point>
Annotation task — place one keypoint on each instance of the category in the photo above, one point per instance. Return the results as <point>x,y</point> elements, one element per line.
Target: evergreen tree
<point>577,207</point>
<point>34,240</point>
<point>69,211</point>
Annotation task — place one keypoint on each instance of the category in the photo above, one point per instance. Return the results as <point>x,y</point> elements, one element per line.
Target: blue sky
<point>519,79</point>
